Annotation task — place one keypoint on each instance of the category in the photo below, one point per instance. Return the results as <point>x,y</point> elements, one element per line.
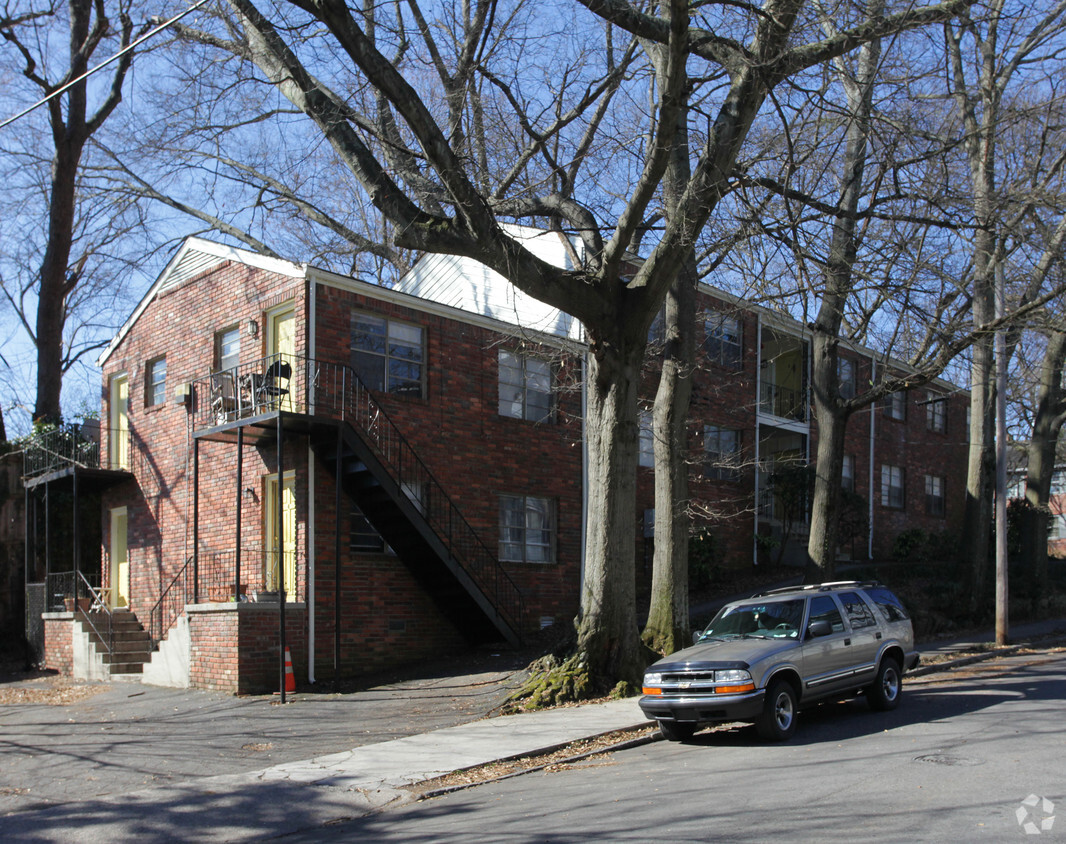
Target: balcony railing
<point>64,446</point>
<point>275,382</point>
<point>783,402</point>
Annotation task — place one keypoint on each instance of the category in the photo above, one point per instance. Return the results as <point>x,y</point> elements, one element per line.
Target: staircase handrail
<point>157,625</point>
<point>358,405</point>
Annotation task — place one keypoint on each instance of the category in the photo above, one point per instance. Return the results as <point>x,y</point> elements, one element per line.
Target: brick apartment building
<point>405,466</point>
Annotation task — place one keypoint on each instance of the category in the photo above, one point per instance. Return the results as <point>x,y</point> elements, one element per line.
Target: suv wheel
<point>883,693</point>
<point>778,719</point>
<point>677,730</point>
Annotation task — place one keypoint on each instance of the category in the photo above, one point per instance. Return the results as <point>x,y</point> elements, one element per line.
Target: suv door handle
<point>877,635</point>
<point>847,641</point>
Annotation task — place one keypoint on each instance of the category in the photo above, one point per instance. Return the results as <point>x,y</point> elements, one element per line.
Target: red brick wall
<point>58,651</point>
<point>235,648</point>
<point>474,452</point>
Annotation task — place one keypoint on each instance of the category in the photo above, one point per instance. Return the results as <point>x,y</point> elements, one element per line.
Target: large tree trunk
<point>1047,425</point>
<point>668,613</point>
<point>607,631</point>
<point>832,421</point>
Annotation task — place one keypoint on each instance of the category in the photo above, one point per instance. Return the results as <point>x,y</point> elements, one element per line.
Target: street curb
<point>613,748</point>
<point>994,651</point>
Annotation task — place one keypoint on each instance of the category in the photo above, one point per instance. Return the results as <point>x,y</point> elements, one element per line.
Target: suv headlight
<point>653,679</point>
<point>732,676</point>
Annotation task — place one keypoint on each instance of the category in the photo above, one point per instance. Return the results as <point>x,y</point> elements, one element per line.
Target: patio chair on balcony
<point>269,388</point>
<point>223,397</point>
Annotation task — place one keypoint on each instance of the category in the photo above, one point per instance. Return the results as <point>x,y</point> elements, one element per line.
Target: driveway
<point>63,741</point>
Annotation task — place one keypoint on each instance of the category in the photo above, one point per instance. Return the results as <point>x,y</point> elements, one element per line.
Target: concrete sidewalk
<point>306,794</point>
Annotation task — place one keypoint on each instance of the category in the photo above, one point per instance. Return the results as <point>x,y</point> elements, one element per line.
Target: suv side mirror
<point>696,636</point>
<point>819,628</point>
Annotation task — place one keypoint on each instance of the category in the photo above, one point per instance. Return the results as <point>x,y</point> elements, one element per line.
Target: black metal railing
<point>336,392</point>
<point>171,603</point>
<point>275,382</point>
<point>783,402</point>
<point>262,573</point>
<point>63,446</point>
<point>305,385</point>
<point>65,588</point>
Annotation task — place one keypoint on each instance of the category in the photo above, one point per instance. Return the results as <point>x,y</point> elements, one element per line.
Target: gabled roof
<point>194,257</point>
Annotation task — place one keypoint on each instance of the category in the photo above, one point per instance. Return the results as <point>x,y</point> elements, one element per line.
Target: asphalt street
<point>956,762</point>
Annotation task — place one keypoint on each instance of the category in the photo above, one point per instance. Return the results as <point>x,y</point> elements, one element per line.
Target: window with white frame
<point>388,355</point>
<point>647,439</point>
<point>525,387</point>
<point>846,377</point>
<point>895,405</point>
<point>227,348</point>
<point>722,340</point>
<point>892,486</point>
<point>936,409</point>
<point>155,381</point>
<point>847,473</point>
<point>527,529</point>
<point>1057,526</point>
<point>721,447</point>
<point>935,503</point>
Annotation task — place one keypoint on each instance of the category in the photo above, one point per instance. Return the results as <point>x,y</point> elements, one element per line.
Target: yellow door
<point>281,556</point>
<point>281,346</point>
<point>119,436</point>
<point>120,559</point>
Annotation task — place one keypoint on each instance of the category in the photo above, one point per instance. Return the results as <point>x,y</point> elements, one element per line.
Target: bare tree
<point>44,300</point>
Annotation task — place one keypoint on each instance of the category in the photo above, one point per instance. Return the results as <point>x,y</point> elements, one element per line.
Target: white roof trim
<point>221,252</point>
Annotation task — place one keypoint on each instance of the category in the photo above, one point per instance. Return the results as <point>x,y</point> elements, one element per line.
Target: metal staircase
<point>378,468</point>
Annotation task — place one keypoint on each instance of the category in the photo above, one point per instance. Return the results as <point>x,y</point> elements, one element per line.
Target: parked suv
<point>763,657</point>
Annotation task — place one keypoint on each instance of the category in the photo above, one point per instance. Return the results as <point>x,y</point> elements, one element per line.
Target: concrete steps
<point>132,645</point>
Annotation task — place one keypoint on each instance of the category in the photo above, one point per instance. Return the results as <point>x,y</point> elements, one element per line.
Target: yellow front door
<point>281,344</point>
<point>119,436</point>
<point>281,550</point>
<point>120,559</point>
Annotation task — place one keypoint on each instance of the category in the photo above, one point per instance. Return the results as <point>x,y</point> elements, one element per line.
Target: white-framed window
<point>723,343</point>
<point>891,486</point>
<point>527,529</point>
<point>895,405</point>
<point>936,409</point>
<point>155,381</point>
<point>1057,526</point>
<point>846,377</point>
<point>227,348</point>
<point>935,502</point>
<point>387,355</point>
<point>847,473</point>
<point>525,387</point>
<point>721,447</point>
<point>647,439</point>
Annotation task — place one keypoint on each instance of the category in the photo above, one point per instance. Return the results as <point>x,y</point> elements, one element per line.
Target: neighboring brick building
<point>428,441</point>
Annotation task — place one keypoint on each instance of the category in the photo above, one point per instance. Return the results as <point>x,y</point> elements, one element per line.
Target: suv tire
<point>677,730</point>
<point>778,719</point>
<point>883,694</point>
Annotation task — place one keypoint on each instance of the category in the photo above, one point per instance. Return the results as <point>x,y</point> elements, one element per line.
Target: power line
<point>104,63</point>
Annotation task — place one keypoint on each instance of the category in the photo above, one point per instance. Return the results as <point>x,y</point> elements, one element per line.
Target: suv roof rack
<point>819,587</point>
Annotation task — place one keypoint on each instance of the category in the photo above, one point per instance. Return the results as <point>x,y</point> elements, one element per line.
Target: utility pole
<point>1002,603</point>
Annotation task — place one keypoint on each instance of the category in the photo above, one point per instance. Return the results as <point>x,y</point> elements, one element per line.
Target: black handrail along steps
<point>131,646</point>
<point>399,518</point>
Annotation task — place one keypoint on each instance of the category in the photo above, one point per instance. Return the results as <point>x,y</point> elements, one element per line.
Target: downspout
<point>870,496</point>
<point>311,487</point>
<point>584,475</point>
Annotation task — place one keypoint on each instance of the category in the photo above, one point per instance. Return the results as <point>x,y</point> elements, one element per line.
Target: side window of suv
<point>824,608</point>
<point>859,615</point>
<point>888,603</point>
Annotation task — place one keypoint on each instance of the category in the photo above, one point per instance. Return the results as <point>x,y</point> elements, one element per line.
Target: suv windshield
<point>775,619</point>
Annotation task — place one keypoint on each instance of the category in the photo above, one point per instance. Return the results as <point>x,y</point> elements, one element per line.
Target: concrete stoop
<point>131,646</point>
<point>170,665</point>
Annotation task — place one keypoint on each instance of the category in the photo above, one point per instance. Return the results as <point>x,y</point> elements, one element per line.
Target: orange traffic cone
<point>290,678</point>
